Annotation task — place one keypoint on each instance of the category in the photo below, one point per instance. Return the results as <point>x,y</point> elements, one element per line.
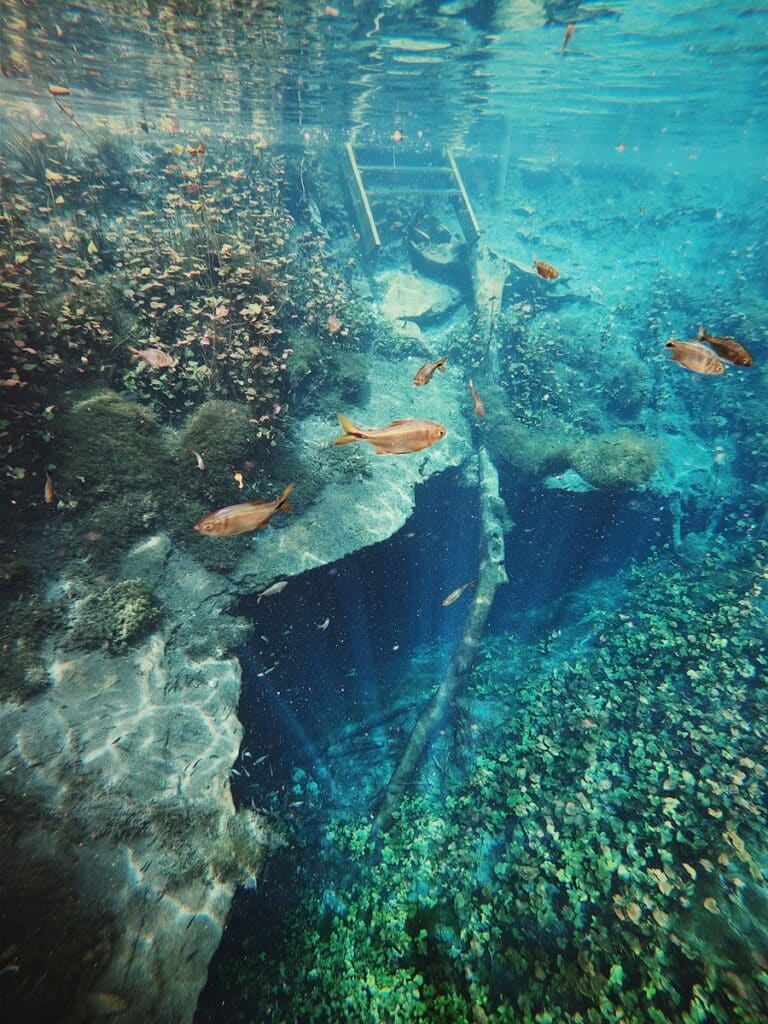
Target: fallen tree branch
<point>491,575</point>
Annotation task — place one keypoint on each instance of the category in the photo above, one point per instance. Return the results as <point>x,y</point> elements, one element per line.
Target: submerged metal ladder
<point>448,182</point>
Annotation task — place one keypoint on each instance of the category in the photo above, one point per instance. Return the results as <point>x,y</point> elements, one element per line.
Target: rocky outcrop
<point>410,297</point>
<point>121,848</point>
<point>371,496</point>
<point>121,839</point>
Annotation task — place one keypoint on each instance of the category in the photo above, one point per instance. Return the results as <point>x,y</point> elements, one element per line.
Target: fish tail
<point>283,503</point>
<point>702,333</point>
<point>351,433</point>
<point>441,364</point>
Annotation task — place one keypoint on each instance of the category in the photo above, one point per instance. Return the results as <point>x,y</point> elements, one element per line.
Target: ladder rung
<point>414,192</point>
<point>403,169</point>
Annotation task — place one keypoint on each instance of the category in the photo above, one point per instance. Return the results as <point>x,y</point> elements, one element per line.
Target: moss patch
<point>616,462</point>
<point>121,615</point>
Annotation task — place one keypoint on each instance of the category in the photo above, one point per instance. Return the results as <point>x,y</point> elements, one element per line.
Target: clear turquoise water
<point>565,851</point>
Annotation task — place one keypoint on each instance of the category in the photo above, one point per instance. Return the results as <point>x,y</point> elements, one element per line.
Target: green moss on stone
<point>616,462</point>
<point>324,376</point>
<point>120,615</point>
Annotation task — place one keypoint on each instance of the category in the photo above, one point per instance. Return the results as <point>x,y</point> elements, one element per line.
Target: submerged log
<point>491,575</point>
<point>489,275</point>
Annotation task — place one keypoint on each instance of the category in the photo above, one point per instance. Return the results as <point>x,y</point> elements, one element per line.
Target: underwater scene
<point>384,549</point>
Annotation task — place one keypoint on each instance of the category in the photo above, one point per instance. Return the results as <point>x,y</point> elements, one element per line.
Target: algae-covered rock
<point>616,462</point>
<point>113,467</point>
<point>120,615</point>
<point>221,432</point>
<point>533,451</point>
<point>24,623</point>
<point>324,376</point>
<point>107,443</point>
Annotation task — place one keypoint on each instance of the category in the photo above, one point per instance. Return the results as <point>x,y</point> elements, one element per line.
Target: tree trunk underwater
<point>491,574</point>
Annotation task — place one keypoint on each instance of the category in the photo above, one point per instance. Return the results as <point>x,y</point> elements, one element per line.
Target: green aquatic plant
<point>115,471</point>
<point>325,376</point>
<point>115,618</point>
<point>223,434</point>
<point>601,858</point>
<point>532,450</point>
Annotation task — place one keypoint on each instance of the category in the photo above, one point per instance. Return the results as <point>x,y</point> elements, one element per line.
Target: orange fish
<point>476,401</point>
<point>49,492</point>
<point>334,324</point>
<point>154,357</point>
<point>250,515</point>
<point>425,374</point>
<point>568,33</point>
<point>694,356</point>
<point>456,594</point>
<point>545,270</point>
<point>399,438</point>
<point>727,348</point>
<point>397,135</point>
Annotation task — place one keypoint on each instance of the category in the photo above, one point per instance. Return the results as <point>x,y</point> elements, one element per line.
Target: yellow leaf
<point>21,257</point>
<point>92,248</point>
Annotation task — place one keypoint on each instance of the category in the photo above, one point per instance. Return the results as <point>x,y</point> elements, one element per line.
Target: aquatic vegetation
<point>616,462</point>
<point>605,845</point>
<point>120,615</point>
<point>198,260</point>
<point>325,376</point>
<point>25,621</point>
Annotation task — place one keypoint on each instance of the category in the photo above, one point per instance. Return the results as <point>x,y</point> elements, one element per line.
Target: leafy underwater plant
<point>600,861</point>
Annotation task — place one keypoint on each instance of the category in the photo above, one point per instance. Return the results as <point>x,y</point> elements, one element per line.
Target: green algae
<point>602,858</point>
<point>118,616</point>
<point>616,462</point>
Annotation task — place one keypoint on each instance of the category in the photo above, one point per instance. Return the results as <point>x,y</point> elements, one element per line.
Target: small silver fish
<point>276,588</point>
<point>456,594</point>
<point>198,457</point>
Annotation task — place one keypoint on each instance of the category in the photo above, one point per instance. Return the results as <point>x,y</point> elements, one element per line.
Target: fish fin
<point>702,333</point>
<point>381,451</point>
<point>134,352</point>
<point>283,502</point>
<point>348,426</point>
<point>441,364</point>
<point>671,343</point>
<point>351,433</point>
<point>397,423</point>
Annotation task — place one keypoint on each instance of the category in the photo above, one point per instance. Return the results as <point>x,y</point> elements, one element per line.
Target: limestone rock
<point>410,297</point>
<point>370,496</point>
<point>123,828</point>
